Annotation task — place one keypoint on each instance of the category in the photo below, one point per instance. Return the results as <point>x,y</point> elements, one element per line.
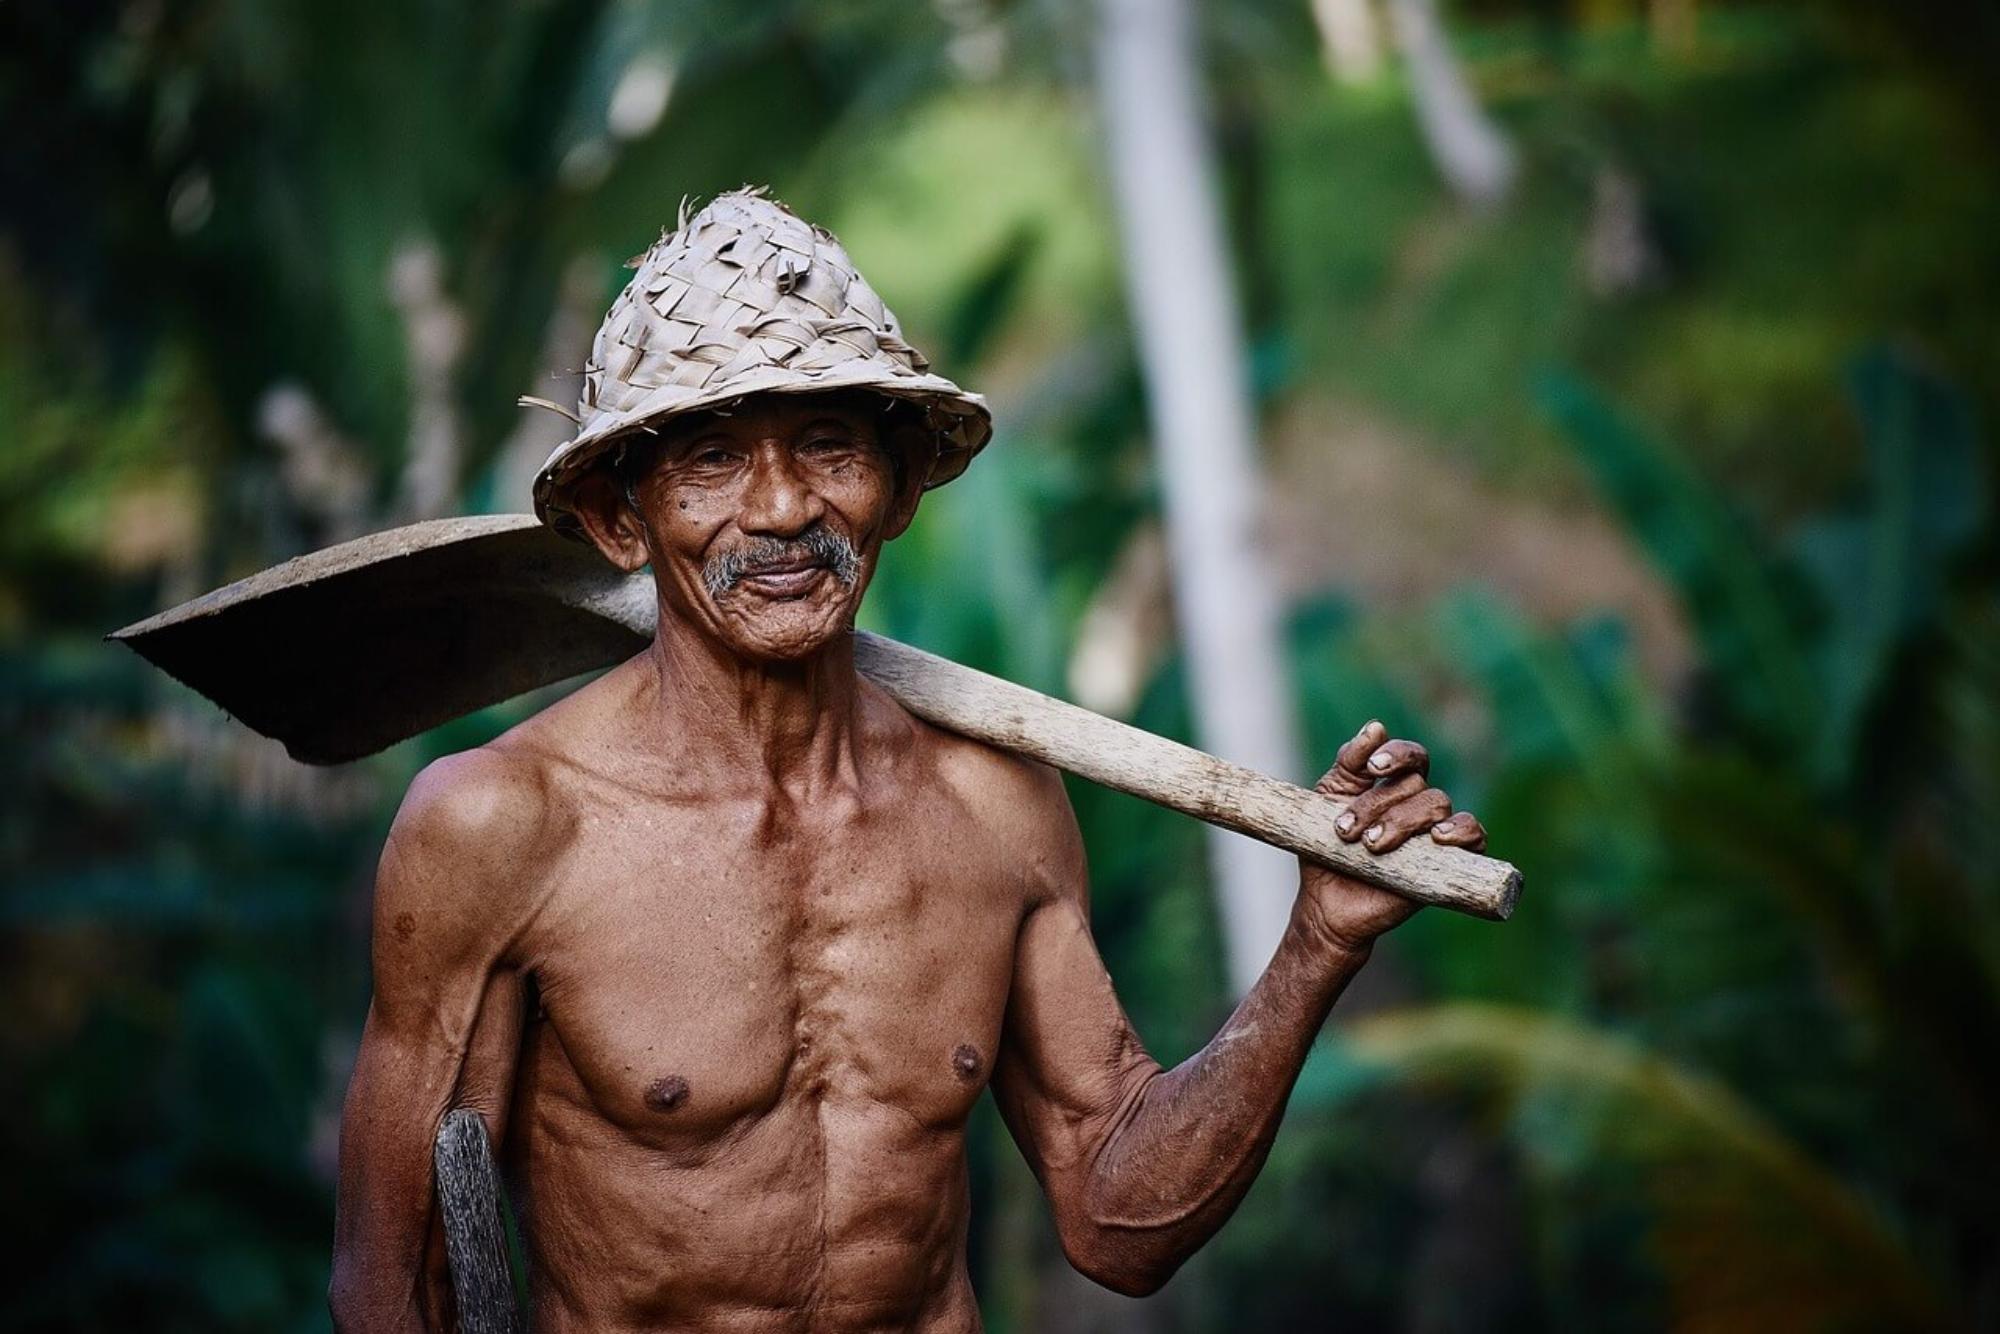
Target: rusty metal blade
<point>344,652</point>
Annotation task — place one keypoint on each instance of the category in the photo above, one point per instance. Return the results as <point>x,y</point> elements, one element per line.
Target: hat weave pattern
<point>745,297</point>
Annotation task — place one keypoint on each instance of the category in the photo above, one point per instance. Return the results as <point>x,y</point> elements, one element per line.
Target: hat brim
<point>960,419</point>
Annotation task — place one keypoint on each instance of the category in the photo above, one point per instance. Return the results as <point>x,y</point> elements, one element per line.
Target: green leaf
<point>1880,571</point>
<point>1751,1233</point>
<point>1732,592</point>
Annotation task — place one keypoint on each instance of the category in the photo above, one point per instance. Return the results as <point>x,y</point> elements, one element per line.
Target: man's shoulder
<point>1011,781</point>
<point>511,785</point>
<point>1021,800</point>
<point>492,810</point>
<point>476,794</point>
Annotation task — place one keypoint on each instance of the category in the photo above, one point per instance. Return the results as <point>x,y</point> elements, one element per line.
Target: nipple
<point>663,1095</point>
<point>965,1061</point>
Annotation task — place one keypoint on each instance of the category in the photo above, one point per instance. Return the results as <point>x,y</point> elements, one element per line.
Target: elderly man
<point>725,945</point>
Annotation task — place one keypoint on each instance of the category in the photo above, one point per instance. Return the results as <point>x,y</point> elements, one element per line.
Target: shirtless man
<point>725,945</point>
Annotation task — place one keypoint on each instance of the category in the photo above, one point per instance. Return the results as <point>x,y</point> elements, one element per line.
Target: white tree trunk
<point>1191,350</point>
<point>1471,153</point>
<point>1350,39</point>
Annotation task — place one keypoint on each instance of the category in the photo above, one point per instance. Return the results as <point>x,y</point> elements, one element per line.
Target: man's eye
<point>713,455</point>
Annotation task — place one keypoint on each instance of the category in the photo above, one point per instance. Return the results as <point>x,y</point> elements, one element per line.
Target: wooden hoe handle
<point>1013,717</point>
<point>346,651</point>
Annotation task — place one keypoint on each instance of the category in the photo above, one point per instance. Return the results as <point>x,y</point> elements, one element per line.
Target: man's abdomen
<point>827,1213</point>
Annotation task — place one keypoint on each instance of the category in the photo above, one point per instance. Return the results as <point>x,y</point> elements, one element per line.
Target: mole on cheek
<point>965,1061</point>
<point>663,1095</point>
<point>406,925</point>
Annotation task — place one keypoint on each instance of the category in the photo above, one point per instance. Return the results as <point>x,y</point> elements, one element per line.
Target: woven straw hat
<point>745,297</point>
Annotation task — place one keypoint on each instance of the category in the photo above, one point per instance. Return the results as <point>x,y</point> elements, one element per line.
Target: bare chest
<point>696,973</point>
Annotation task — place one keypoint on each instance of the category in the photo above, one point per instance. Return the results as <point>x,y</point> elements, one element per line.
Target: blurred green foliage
<point>1729,1068</point>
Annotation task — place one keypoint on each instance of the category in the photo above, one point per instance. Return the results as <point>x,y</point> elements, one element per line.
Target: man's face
<point>763,526</point>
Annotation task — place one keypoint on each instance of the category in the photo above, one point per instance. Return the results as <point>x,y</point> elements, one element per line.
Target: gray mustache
<point>823,546</point>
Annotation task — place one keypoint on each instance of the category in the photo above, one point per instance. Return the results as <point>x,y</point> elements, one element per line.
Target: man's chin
<point>764,630</point>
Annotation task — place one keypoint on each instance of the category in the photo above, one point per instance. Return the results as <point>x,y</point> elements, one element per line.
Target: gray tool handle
<point>475,1236</point>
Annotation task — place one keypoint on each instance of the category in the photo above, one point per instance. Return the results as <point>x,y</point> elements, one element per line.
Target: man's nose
<point>778,500</point>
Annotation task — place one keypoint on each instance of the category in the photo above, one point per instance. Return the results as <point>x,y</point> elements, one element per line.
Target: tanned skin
<point>725,945</point>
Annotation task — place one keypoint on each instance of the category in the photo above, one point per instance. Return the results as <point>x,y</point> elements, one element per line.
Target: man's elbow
<point>1131,1265</point>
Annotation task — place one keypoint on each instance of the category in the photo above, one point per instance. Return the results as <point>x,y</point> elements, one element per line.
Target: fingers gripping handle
<point>1015,718</point>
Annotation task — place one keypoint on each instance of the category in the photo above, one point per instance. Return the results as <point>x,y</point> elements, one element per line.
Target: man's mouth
<point>785,579</point>
<point>783,568</point>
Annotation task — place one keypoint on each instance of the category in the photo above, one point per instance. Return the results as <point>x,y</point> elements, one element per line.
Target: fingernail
<point>1374,832</point>
<point>1379,762</point>
<point>1345,822</point>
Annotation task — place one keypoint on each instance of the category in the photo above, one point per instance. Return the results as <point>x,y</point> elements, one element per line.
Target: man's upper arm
<point>450,892</point>
<point>1070,1063</point>
<point>449,902</point>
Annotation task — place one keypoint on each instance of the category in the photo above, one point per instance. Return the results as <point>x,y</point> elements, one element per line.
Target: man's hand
<point>1388,800</point>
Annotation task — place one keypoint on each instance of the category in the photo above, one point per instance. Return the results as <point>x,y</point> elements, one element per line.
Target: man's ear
<point>614,529</point>
<point>916,449</point>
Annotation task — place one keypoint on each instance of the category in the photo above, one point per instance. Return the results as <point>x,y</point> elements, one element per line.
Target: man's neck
<point>738,722</point>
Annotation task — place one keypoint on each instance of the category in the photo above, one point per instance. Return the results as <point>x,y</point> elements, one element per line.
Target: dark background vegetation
<point>1687,575</point>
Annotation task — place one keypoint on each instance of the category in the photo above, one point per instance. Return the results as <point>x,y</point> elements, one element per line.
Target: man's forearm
<point>386,1260</point>
<point>1187,1142</point>
<point>381,1282</point>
